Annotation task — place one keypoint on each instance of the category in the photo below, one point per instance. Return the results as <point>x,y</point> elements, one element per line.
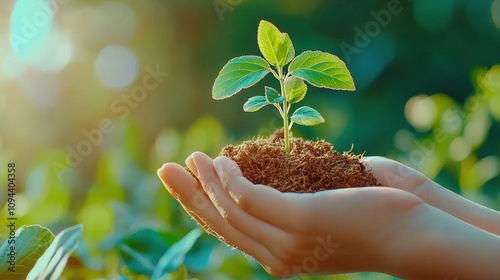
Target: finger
<point>287,211</point>
<point>267,234</point>
<point>397,175</point>
<point>198,205</point>
<point>393,174</point>
<point>190,164</point>
<point>169,189</point>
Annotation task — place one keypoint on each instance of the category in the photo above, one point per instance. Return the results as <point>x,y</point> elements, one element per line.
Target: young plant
<point>318,68</point>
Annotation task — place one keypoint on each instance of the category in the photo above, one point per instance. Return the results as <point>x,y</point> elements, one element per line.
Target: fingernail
<point>192,165</point>
<point>169,189</point>
<point>225,168</point>
<point>160,169</point>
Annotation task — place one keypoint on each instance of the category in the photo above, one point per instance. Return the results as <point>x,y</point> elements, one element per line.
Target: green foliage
<point>173,259</point>
<point>140,250</point>
<point>155,254</point>
<point>30,243</point>
<point>295,90</point>
<point>255,103</point>
<point>306,116</point>
<point>51,264</point>
<point>273,96</point>
<point>456,133</point>
<point>276,47</point>
<point>320,69</point>
<point>239,73</point>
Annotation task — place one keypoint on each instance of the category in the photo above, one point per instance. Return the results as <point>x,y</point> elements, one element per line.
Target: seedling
<point>318,68</point>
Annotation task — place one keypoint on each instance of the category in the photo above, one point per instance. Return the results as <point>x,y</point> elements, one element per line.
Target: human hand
<point>328,232</point>
<point>384,229</point>
<point>393,174</point>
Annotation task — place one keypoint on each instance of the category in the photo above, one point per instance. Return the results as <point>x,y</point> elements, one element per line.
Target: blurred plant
<point>32,256</point>
<point>144,252</point>
<point>455,136</point>
<point>318,68</point>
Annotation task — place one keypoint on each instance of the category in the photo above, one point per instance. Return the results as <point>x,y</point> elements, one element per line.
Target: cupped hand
<point>336,231</point>
<point>396,175</point>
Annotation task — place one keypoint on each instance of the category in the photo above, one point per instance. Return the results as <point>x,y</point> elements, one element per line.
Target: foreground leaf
<point>273,96</point>
<point>239,73</point>
<point>175,255</point>
<point>295,89</point>
<point>141,250</point>
<point>307,116</point>
<point>255,103</point>
<point>51,264</point>
<point>31,243</point>
<point>322,70</point>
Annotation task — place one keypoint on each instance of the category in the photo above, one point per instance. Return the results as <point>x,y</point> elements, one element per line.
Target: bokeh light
<point>421,112</point>
<point>58,53</point>
<point>30,24</point>
<point>476,131</point>
<point>488,168</point>
<point>459,149</point>
<point>116,66</point>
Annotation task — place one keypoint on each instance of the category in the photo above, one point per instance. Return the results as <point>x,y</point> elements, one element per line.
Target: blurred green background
<point>96,95</point>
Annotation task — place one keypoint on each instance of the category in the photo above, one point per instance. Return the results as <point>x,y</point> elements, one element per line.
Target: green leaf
<point>239,73</point>
<point>307,116</point>
<point>322,70</point>
<point>270,40</point>
<point>273,96</point>
<point>142,249</point>
<point>255,103</point>
<point>30,243</point>
<point>276,47</point>
<point>286,50</point>
<point>51,264</point>
<point>175,255</point>
<point>295,89</point>
<point>198,258</point>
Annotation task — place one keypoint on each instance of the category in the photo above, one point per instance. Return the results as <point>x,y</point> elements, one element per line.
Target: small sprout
<point>318,68</point>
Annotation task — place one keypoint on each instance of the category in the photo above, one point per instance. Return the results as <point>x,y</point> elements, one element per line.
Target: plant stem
<point>286,131</point>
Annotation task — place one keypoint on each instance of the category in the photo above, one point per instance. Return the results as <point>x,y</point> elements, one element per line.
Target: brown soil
<point>311,166</point>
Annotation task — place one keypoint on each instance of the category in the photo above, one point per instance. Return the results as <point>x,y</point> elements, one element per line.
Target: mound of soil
<point>311,166</point>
